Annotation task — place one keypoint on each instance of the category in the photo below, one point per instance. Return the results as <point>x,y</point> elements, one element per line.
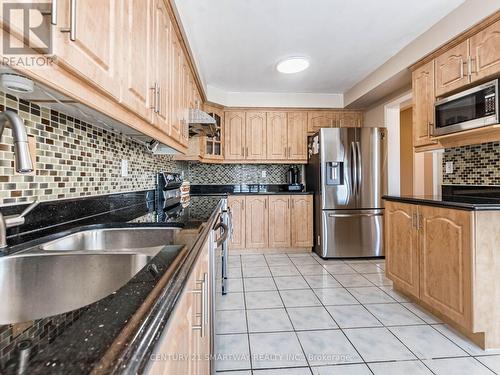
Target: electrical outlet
<point>449,167</point>
<point>124,167</point>
<point>264,174</point>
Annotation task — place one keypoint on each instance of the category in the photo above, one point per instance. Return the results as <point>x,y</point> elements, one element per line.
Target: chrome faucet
<point>23,165</point>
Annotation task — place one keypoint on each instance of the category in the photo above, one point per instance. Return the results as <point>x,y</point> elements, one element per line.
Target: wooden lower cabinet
<point>237,206</point>
<point>271,221</point>
<point>256,219</point>
<point>279,221</point>
<point>183,348</point>
<point>447,260</point>
<point>301,215</point>
<point>402,255</point>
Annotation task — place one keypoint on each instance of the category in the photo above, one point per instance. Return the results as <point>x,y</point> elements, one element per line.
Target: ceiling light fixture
<point>293,65</point>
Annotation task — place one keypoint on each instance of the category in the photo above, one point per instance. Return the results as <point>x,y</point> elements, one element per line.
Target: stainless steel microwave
<point>473,108</point>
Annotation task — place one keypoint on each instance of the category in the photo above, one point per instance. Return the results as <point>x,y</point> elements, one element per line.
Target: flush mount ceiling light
<point>293,65</point>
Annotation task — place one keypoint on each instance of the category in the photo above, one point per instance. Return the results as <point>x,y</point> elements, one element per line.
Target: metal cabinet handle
<point>72,22</point>
<point>155,97</point>
<point>431,128</point>
<point>53,16</point>
<point>289,152</point>
<point>225,233</point>
<point>414,220</point>
<point>462,62</point>
<point>203,313</point>
<point>247,151</point>
<point>469,66</point>
<point>420,222</point>
<point>158,99</point>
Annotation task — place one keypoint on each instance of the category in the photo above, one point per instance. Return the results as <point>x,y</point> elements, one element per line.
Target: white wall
<point>267,99</point>
<point>465,16</point>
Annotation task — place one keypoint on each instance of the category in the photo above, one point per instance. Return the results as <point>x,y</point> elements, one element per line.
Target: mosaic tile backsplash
<point>73,158</point>
<point>234,174</point>
<point>473,165</point>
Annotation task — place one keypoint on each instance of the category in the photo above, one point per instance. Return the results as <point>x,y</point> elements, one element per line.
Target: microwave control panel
<point>489,104</point>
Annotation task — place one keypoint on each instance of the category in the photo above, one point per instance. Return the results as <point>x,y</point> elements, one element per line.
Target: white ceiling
<point>237,43</point>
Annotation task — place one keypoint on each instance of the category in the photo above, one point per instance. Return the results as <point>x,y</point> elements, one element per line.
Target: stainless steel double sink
<point>76,270</point>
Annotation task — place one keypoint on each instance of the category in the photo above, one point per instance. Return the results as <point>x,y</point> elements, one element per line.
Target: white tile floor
<point>297,314</point>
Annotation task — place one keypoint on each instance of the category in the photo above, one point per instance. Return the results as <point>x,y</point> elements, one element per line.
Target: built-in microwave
<point>473,108</point>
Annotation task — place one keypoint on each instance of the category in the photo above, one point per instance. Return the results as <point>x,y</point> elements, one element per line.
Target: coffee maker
<point>293,179</point>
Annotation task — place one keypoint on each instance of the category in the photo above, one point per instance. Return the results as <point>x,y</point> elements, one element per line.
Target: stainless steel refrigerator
<point>345,172</point>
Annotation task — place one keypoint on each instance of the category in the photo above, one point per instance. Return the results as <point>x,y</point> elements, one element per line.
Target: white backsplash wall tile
<point>473,165</point>
<point>74,158</point>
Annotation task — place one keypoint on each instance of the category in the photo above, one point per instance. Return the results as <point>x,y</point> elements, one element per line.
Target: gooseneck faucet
<point>23,165</point>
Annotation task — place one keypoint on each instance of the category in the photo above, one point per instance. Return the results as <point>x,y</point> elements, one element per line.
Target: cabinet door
<point>202,311</point>
<point>94,54</point>
<point>279,221</point>
<point>401,246</point>
<point>237,206</point>
<point>446,261</point>
<point>179,342</point>
<point>302,220</point>
<point>451,69</point>
<point>276,136</point>
<point>137,92</point>
<point>175,89</point>
<point>297,136</point>
<point>255,135</point>
<point>256,220</point>
<point>485,52</point>
<point>234,128</point>
<point>423,104</point>
<point>162,54</point>
<point>321,119</point>
<point>349,120</point>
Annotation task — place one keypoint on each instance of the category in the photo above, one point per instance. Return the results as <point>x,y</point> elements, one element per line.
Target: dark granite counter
<point>118,334</point>
<point>245,189</point>
<point>458,197</point>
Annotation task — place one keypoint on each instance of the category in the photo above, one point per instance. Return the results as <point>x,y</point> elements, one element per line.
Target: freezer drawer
<point>351,233</point>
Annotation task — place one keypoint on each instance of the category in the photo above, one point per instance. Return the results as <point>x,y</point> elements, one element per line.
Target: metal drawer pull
<point>72,22</point>
<point>202,314</point>
<point>351,215</point>
<point>225,233</point>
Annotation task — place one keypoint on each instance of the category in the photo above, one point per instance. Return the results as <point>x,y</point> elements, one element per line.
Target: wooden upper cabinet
<point>446,247</point>
<point>321,119</point>
<point>423,104</point>
<point>485,52</point>
<point>350,119</point>
<point>301,214</point>
<point>255,135</point>
<point>137,55</point>
<point>297,135</point>
<point>451,69</point>
<point>277,145</point>
<point>95,53</point>
<point>176,83</point>
<point>237,206</point>
<point>234,128</point>
<point>162,50</point>
<point>279,221</point>
<point>401,246</point>
<point>256,221</point>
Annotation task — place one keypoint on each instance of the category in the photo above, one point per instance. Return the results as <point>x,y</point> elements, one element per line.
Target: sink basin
<point>112,239</point>
<point>76,270</point>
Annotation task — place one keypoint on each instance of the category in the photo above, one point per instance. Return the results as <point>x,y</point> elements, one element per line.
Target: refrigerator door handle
<point>354,167</point>
<point>359,167</point>
<point>357,214</point>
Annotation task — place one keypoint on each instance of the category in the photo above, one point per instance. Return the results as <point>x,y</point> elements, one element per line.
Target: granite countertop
<point>120,331</point>
<point>452,201</point>
<point>244,189</point>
